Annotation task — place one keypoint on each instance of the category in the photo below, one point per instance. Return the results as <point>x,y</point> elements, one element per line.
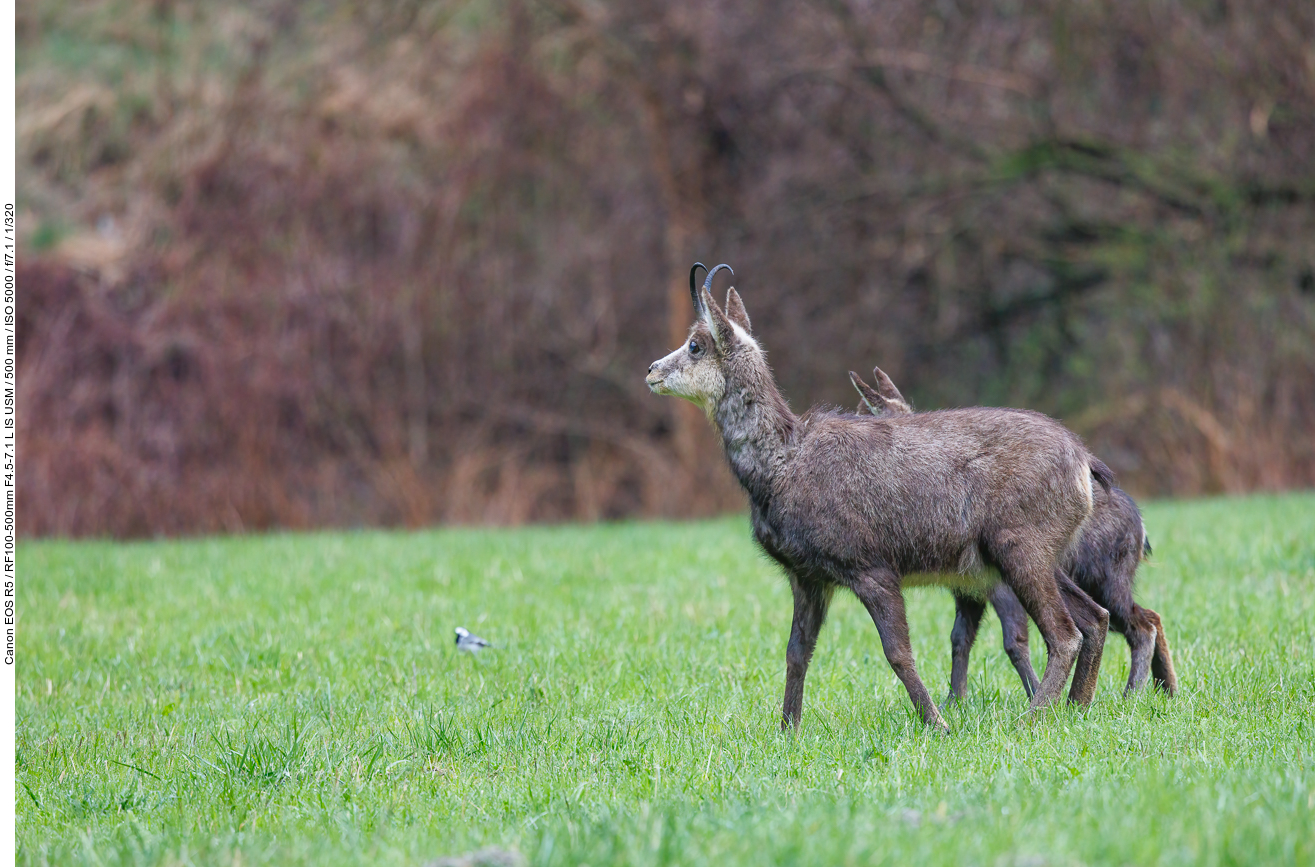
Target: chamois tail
<point>1102,474</point>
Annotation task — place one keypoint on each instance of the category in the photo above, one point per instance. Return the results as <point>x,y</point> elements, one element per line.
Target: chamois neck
<point>756,427</point>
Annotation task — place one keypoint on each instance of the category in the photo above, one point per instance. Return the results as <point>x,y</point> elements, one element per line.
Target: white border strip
<point>9,248</point>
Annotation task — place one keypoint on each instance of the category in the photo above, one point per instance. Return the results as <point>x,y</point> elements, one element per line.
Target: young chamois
<point>1103,563</point>
<point>872,504</point>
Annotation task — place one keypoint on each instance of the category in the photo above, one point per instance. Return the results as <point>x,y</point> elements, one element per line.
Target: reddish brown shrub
<point>391,267</point>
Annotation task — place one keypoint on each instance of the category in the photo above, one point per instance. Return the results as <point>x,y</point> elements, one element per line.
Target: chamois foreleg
<point>810,605</point>
<point>1013,630</point>
<point>879,591</point>
<point>968,613</point>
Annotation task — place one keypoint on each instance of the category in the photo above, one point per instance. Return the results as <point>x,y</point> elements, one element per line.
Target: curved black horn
<point>707,284</point>
<point>694,286</point>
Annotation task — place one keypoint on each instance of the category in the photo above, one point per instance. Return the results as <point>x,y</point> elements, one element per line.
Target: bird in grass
<point>470,643</point>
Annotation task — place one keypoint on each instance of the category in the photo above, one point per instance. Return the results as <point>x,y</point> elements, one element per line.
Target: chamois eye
<point>694,348</point>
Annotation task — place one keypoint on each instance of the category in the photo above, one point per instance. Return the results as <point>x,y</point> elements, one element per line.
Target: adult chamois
<point>874,504</point>
<point>1103,564</point>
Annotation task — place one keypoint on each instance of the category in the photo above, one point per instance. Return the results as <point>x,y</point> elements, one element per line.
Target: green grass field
<point>296,699</point>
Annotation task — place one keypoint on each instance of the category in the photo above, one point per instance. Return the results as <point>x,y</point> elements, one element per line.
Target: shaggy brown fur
<point>872,504</point>
<point>1103,564</point>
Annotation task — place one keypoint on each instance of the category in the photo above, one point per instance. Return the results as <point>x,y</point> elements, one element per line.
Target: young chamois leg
<point>880,593</point>
<point>1104,564</point>
<point>1013,629</point>
<point>1162,663</point>
<point>968,613</point>
<point>810,605</point>
<point>1093,622</point>
<point>1148,646</point>
<point>1142,634</point>
<point>1113,584</point>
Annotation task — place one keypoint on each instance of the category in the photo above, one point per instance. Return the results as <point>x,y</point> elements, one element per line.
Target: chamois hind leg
<point>879,591</point>
<point>1032,578</point>
<point>1141,633</point>
<point>1013,629</point>
<point>967,617</point>
<point>810,604</point>
<point>1162,663</point>
<point>1112,586</point>
<point>1093,622</point>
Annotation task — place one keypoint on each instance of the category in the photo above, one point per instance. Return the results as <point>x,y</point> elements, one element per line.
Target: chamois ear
<point>868,399</point>
<point>735,310</point>
<point>894,400</point>
<point>716,320</point>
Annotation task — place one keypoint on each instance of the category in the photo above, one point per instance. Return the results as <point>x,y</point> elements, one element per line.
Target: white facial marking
<point>696,379</point>
<point>708,319</point>
<point>744,337</point>
<point>669,357</point>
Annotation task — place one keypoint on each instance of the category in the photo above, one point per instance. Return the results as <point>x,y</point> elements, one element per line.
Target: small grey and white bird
<point>470,643</point>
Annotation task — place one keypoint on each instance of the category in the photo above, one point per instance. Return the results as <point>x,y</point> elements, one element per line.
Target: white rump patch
<point>1084,485</point>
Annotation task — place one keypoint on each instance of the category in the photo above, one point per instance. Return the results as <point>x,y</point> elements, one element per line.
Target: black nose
<point>651,366</point>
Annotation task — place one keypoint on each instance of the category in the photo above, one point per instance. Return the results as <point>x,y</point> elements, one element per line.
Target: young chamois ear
<point>723,332</point>
<point>885,399</point>
<point>894,400</point>
<point>868,400</point>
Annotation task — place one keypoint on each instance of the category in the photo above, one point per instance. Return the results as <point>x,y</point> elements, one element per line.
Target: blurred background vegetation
<point>292,264</point>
